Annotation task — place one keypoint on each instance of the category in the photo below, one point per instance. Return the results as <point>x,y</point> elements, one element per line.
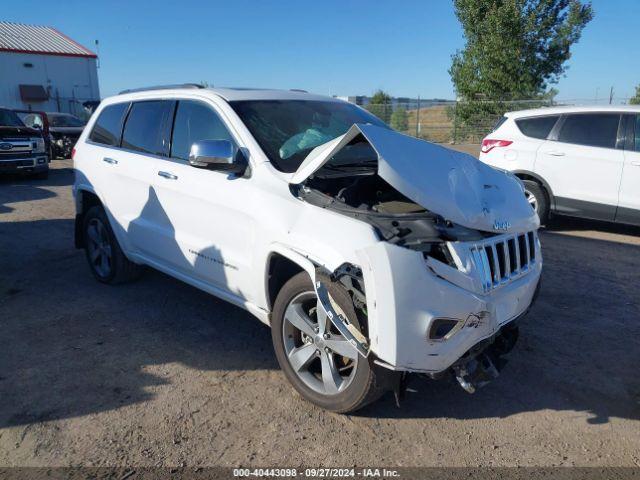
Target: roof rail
<point>163,87</point>
<point>298,90</point>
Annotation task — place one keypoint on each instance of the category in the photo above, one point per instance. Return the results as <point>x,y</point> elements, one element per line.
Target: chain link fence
<point>460,122</point>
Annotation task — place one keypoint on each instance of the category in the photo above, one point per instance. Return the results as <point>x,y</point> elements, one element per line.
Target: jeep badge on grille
<point>501,225</point>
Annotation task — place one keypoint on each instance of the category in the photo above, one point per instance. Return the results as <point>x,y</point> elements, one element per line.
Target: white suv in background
<point>576,161</point>
<point>369,253</point>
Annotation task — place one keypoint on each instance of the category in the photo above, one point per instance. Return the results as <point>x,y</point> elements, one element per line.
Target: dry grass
<point>435,124</point>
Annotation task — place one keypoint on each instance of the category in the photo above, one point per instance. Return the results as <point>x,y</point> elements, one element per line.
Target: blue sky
<point>343,47</point>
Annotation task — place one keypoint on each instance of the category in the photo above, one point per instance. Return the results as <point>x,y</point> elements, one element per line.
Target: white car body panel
<point>218,233</point>
<point>629,198</point>
<point>598,170</point>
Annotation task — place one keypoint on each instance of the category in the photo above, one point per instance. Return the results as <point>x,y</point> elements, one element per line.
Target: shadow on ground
<point>20,188</point>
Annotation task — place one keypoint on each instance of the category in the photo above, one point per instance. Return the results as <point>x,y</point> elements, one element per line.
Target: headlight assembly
<point>37,145</point>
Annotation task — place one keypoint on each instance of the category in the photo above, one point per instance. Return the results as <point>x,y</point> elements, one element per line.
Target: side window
<point>637,133</point>
<point>537,127</point>
<point>195,121</point>
<point>592,129</point>
<point>108,127</point>
<point>147,127</point>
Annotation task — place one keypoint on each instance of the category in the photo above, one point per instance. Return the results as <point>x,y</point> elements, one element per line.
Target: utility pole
<point>418,119</point>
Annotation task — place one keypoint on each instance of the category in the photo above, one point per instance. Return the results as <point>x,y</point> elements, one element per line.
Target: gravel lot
<point>159,373</point>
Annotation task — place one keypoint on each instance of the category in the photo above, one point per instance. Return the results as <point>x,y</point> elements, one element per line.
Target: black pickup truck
<point>22,149</point>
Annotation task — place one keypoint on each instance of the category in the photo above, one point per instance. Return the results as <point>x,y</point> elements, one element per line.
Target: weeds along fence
<point>459,121</point>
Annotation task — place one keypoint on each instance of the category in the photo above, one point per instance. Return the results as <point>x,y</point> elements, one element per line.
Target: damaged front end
<point>458,259</point>
<point>483,362</point>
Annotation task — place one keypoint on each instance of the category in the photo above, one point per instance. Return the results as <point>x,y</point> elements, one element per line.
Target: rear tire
<point>352,382</point>
<point>105,257</point>
<point>538,199</point>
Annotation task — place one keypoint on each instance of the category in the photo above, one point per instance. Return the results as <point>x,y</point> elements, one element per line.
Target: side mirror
<point>214,155</point>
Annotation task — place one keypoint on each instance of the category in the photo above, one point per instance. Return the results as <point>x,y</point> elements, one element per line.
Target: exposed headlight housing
<point>37,145</point>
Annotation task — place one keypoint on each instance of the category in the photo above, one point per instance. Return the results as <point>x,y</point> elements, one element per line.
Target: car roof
<point>558,110</point>
<point>228,94</point>
<point>237,94</point>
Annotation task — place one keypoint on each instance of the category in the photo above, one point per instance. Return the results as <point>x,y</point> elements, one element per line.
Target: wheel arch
<point>282,264</point>
<point>528,175</point>
<point>85,199</point>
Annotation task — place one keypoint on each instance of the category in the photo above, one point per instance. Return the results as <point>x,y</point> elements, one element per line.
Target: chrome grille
<point>500,259</point>
<point>17,145</point>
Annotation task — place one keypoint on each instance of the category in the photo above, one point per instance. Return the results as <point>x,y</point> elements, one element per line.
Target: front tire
<point>538,199</point>
<point>105,257</point>
<point>319,362</point>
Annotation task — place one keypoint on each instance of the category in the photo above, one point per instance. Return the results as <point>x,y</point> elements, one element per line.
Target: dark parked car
<point>64,130</point>
<point>22,149</point>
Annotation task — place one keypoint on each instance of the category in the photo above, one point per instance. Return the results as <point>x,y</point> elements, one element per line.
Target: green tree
<point>400,120</point>
<point>380,105</point>
<point>515,49</point>
<point>636,99</point>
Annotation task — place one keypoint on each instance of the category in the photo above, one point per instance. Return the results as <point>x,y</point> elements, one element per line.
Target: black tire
<point>536,192</point>
<point>368,381</point>
<point>120,268</point>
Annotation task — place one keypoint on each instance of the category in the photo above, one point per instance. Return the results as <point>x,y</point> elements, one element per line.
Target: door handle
<point>555,153</point>
<point>168,175</point>
<point>635,163</point>
<point>110,160</point>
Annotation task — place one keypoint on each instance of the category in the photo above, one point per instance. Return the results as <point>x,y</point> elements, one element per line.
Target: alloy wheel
<point>99,248</point>
<point>531,198</point>
<point>322,358</point>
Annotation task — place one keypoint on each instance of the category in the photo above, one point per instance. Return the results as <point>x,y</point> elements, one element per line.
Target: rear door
<point>145,142</point>
<point>582,162</point>
<point>629,204</point>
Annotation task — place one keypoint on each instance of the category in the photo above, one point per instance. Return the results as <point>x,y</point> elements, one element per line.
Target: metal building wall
<point>69,80</point>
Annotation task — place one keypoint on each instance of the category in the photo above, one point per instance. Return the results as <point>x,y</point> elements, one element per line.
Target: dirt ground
<point>159,373</point>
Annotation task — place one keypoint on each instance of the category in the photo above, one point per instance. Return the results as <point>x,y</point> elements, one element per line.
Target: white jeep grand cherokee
<point>369,253</point>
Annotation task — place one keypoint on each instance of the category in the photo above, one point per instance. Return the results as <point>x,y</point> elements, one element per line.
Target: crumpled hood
<point>454,185</point>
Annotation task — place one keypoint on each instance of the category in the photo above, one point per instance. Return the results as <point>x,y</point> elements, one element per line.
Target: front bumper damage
<point>405,295</point>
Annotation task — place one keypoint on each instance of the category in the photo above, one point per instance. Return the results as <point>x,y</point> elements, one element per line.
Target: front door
<point>205,212</point>
<point>629,205</point>
<point>583,165</point>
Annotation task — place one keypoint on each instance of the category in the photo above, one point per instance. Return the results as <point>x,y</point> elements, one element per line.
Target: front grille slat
<point>500,261</point>
<point>496,264</point>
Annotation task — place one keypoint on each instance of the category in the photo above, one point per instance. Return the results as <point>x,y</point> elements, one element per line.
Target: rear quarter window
<point>108,127</point>
<point>538,127</point>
